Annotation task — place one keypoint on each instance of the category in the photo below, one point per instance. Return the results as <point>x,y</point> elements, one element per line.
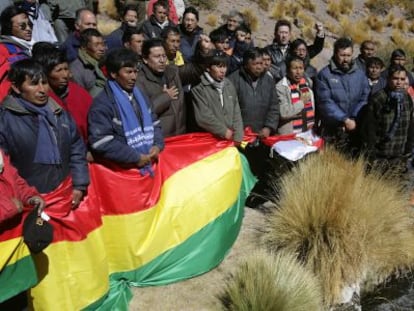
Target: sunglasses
<point>24,26</point>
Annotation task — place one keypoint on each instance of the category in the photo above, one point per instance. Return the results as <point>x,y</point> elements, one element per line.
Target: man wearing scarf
<point>15,42</point>
<point>121,126</point>
<point>39,136</point>
<point>86,68</point>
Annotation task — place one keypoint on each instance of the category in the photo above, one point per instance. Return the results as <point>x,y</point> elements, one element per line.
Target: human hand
<point>144,160</point>
<point>18,204</point>
<point>350,124</point>
<point>154,152</point>
<point>205,44</point>
<point>172,91</point>
<point>265,132</point>
<point>229,134</point>
<point>319,29</point>
<point>37,202</point>
<point>77,196</point>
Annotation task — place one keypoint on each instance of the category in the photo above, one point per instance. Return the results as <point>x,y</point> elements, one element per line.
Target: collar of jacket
<point>11,103</point>
<point>9,39</point>
<point>248,77</point>
<point>336,69</point>
<point>204,81</point>
<point>151,76</point>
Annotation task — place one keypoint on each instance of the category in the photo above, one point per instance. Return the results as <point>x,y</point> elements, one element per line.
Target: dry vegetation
<point>356,229</point>
<point>251,19</point>
<point>212,20</point>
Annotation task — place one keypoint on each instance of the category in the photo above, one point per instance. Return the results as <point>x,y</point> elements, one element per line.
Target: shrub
<point>375,23</point>
<point>212,20</point>
<point>250,19</point>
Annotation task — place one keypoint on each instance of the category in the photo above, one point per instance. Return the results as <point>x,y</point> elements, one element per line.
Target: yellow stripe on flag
<point>12,251</point>
<point>205,190</point>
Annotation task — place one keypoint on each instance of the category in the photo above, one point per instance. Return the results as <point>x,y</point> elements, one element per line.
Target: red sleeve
<point>7,207</point>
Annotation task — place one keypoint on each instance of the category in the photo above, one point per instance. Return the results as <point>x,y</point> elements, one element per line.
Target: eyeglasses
<point>24,26</point>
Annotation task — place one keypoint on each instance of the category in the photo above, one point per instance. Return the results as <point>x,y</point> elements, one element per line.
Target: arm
<point>318,43</point>
<point>160,100</point>
<point>363,97</point>
<point>237,120</point>
<point>103,138</point>
<point>273,113</point>
<point>287,109</point>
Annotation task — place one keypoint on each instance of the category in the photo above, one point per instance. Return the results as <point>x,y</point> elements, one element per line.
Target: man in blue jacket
<point>40,136</point>
<point>122,127</point>
<point>342,89</point>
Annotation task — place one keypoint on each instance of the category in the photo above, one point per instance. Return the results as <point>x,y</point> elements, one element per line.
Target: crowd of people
<point>70,95</point>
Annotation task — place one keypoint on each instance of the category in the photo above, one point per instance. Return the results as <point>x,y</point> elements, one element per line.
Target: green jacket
<point>209,113</point>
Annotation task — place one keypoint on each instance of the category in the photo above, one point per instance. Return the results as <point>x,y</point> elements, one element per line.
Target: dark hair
<point>217,57</point>
<point>251,54</point>
<point>191,10</point>
<point>149,44</point>
<point>398,53</point>
<point>86,35</point>
<point>218,35</point>
<point>6,19</point>
<point>282,22</point>
<point>395,68</point>
<point>293,58</point>
<point>119,58</point>
<point>375,61</point>
<point>169,30</point>
<point>129,32</point>
<point>366,42</point>
<point>243,27</point>
<point>26,67</point>
<point>295,44</point>
<point>266,51</point>
<point>161,3</point>
<point>343,43</point>
<point>129,7</point>
<point>48,55</point>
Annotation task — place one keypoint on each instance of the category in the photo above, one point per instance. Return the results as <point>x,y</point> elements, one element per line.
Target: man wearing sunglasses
<point>15,42</point>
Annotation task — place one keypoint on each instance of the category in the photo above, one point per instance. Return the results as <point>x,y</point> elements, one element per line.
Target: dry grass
<point>378,7</point>
<point>251,19</point>
<point>108,7</point>
<point>285,10</point>
<point>212,20</point>
<point>308,5</point>
<point>375,23</point>
<point>105,25</point>
<point>346,6</point>
<point>401,24</point>
<point>333,9</point>
<point>263,4</point>
<point>358,31</point>
<point>346,226</point>
<point>268,281</point>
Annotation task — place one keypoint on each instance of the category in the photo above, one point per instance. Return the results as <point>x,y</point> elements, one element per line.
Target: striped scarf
<point>301,91</point>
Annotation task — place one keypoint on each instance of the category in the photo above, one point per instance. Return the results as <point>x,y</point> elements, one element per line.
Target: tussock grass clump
<point>251,19</point>
<point>285,10</point>
<point>333,9</point>
<point>401,24</point>
<point>308,5</point>
<point>345,225</point>
<point>204,4</point>
<point>211,20</point>
<point>358,31</point>
<point>375,23</point>
<point>106,26</point>
<point>268,281</point>
<point>263,4</point>
<point>346,6</point>
<point>378,7</point>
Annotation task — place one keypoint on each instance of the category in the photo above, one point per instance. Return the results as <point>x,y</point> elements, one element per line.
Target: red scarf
<point>301,91</point>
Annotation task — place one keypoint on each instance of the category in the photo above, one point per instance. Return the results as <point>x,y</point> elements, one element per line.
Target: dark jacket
<point>170,112</point>
<point>152,29</point>
<point>114,39</point>
<point>71,46</point>
<point>313,50</point>
<point>259,106</point>
<point>106,134</point>
<point>385,127</point>
<point>18,138</point>
<point>340,95</point>
<point>211,116</point>
<point>189,41</point>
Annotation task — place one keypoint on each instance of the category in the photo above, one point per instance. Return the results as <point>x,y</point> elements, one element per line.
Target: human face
<point>135,43</point>
<point>374,71</point>
<point>87,20</point>
<point>367,50</point>
<point>282,35</point>
<point>399,60</point>
<point>248,38</point>
<point>172,45</point>
<point>222,46</point>
<point>96,47</point>
<point>160,14</point>
<point>295,71</point>
<point>126,78</point>
<point>301,51</point>
<point>254,67</point>
<point>131,18</point>
<point>34,92</point>
<point>217,72</point>
<point>190,22</point>
<point>232,23</point>
<point>22,27</point>
<point>343,58</point>
<point>397,81</point>
<point>59,77</point>
<point>157,59</point>
<point>267,62</point>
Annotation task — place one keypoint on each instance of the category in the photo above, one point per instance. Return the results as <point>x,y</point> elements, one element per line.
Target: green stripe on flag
<point>17,277</point>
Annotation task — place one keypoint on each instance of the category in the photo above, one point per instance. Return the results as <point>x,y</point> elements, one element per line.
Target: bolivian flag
<point>140,231</point>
